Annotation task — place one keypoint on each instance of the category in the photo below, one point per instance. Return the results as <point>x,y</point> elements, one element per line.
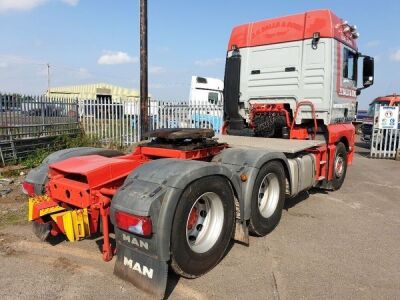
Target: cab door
<point>344,92</point>
<point>347,72</point>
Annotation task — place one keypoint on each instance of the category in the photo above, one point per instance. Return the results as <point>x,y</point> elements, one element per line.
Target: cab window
<point>371,110</point>
<point>376,104</point>
<point>213,98</point>
<point>349,65</point>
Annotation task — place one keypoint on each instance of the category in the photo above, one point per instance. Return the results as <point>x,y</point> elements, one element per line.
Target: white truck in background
<point>206,91</point>
<point>206,101</point>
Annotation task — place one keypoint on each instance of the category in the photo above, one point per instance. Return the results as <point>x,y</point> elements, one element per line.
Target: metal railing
<point>119,123</point>
<point>194,115</point>
<point>385,143</point>
<point>29,122</point>
<point>111,123</point>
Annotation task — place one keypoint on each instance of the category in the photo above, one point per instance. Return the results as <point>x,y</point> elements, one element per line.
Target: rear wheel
<point>267,199</point>
<point>339,166</point>
<point>202,227</point>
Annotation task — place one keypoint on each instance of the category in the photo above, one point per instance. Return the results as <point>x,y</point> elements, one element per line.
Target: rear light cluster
<point>134,224</point>
<point>28,188</point>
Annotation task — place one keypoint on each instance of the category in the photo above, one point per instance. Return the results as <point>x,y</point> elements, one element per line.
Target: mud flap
<point>242,233</point>
<point>42,231</point>
<point>141,270</point>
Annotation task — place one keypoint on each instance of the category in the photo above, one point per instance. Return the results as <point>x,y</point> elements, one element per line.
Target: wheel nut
<point>203,213</point>
<point>199,227</point>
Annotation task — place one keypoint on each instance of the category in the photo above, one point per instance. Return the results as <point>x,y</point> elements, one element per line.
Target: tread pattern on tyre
<point>183,260</point>
<point>338,182</point>
<point>260,226</point>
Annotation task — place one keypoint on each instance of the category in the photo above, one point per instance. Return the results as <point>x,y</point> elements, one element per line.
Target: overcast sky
<point>90,41</point>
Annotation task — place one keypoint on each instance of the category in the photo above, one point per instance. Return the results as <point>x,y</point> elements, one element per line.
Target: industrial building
<point>104,91</point>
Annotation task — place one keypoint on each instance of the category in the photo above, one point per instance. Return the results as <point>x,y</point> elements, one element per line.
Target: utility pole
<point>144,98</point>
<point>48,78</point>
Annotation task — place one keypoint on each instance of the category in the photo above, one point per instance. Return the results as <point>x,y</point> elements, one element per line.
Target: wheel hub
<point>268,195</point>
<point>192,218</point>
<point>339,166</point>
<point>204,222</point>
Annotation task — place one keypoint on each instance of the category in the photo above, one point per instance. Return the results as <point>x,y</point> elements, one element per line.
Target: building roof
<point>293,28</point>
<point>90,91</point>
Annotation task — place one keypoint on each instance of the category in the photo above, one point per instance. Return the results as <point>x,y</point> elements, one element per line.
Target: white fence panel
<point>119,123</point>
<point>385,143</point>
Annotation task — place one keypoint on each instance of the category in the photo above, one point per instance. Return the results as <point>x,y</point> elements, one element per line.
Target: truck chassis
<point>140,192</point>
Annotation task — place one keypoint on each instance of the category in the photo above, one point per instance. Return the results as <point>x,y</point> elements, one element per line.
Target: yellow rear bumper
<point>40,206</point>
<point>73,223</point>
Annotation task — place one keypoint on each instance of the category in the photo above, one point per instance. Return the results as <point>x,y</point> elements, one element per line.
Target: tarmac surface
<point>336,245</point>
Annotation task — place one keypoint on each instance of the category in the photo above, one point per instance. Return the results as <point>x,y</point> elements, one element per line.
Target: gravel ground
<point>339,245</point>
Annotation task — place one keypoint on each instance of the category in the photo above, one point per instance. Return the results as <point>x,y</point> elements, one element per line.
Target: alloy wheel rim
<point>268,195</point>
<point>204,222</point>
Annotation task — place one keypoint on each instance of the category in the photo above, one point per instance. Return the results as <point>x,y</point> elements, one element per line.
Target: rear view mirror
<point>368,71</point>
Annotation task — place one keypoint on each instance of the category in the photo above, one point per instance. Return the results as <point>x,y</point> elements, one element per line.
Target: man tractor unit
<point>179,199</point>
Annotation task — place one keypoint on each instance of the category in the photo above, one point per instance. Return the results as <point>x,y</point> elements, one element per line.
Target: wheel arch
<point>344,133</point>
<point>158,186</point>
<point>171,201</point>
<point>249,162</point>
<point>285,166</point>
<point>248,197</point>
<point>345,141</point>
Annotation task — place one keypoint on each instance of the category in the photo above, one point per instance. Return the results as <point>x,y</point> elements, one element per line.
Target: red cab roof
<point>390,98</point>
<point>291,28</point>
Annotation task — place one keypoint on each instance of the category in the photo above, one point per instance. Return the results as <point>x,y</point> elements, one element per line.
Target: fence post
<point>42,101</point>
<point>385,143</point>
<point>78,127</point>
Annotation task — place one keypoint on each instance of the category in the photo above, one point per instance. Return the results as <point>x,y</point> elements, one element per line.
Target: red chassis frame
<point>259,108</point>
<point>325,154</point>
<point>90,182</point>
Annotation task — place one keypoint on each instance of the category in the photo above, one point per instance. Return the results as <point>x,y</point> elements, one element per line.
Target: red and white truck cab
<point>296,70</point>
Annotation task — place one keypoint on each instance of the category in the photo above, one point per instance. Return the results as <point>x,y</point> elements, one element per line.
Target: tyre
<point>202,227</point>
<point>339,166</point>
<point>358,129</point>
<point>41,230</point>
<point>268,198</point>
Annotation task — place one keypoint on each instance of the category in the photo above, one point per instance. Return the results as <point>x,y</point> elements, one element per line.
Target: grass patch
<point>61,142</point>
<point>14,217</point>
<point>36,158</point>
<point>11,171</point>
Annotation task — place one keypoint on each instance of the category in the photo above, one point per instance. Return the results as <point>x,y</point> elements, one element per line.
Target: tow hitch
<point>52,218</point>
